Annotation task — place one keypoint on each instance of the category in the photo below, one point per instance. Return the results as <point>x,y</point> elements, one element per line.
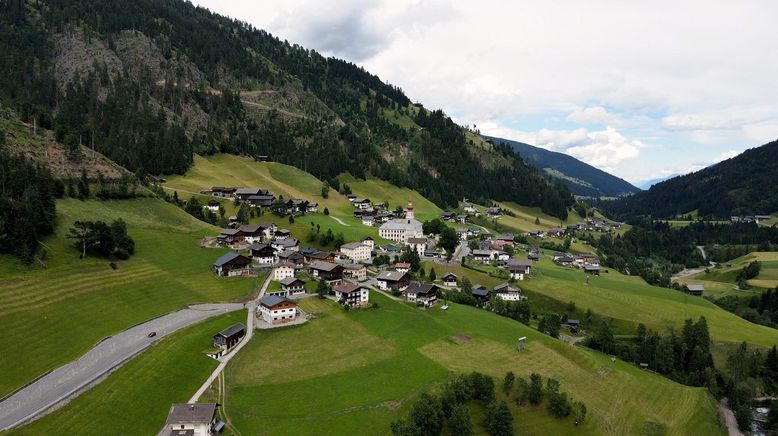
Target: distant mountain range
<point>742,185</point>
<point>649,183</point>
<point>580,177</point>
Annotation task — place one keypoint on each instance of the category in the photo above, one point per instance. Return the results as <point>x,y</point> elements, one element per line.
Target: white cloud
<point>696,122</point>
<point>594,115</point>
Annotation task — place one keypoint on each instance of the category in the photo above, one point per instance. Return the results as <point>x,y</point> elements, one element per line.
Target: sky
<point>642,90</point>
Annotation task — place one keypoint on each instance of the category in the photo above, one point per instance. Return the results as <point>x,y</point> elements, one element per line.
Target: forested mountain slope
<point>580,177</point>
<point>742,185</point>
<point>151,82</point>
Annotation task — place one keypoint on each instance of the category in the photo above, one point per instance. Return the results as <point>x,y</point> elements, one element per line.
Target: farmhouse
<point>277,310</point>
<point>402,229</point>
<point>221,191</point>
<point>262,254</point>
<point>483,256</point>
<point>367,219</point>
<point>592,270</point>
<point>361,203</point>
<point>526,263</point>
<point>282,234</point>
<point>231,264</point>
<point>449,279</point>
<point>423,294</point>
<point>292,286</point>
<point>695,290</point>
<point>212,206</point>
<point>245,193</point>
<point>508,293</point>
<point>196,419</point>
<point>356,251</point>
<point>229,236</point>
<point>419,245</point>
<point>282,272</point>
<point>351,295</point>
<point>480,293</point>
<point>331,272</point>
<point>402,267</point>
<point>533,255</point>
<point>312,207</point>
<point>264,200</point>
<point>556,232</point>
<point>323,256</point>
<point>355,271</point>
<point>392,280</point>
<point>286,244</point>
<point>229,337</point>
<point>447,216</point>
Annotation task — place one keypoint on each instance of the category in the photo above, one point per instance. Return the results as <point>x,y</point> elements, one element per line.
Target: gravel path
<point>68,381</point>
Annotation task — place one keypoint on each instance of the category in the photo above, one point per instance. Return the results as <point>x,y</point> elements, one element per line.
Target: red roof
<point>402,265</point>
<point>346,288</point>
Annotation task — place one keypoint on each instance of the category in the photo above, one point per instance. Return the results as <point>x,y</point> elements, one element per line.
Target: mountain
<point>150,83</point>
<point>651,182</point>
<point>580,177</point>
<point>742,185</point>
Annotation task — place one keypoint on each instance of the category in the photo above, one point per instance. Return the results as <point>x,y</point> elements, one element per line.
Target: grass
<point>767,278</point>
<point>137,397</point>
<point>356,372</point>
<point>73,304</point>
<point>379,191</point>
<point>524,219</point>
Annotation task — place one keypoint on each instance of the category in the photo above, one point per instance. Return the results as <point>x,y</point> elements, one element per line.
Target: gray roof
<point>482,253</point>
<point>191,413</point>
<point>231,330</point>
<point>480,292</point>
<point>227,258</point>
<point>417,240</point>
<point>695,287</point>
<point>391,276</point>
<point>449,274</point>
<point>289,280</point>
<point>228,232</point>
<point>323,266</point>
<point>352,245</point>
<point>272,300</point>
<point>519,262</point>
<point>420,288</point>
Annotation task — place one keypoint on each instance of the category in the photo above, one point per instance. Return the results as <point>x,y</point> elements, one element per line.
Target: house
<point>419,245</point>
<point>286,244</point>
<point>245,193</point>
<point>508,293</point>
<point>355,271</point>
<point>493,211</point>
<point>592,270</point>
<point>518,269</point>
<point>760,218</point>
<point>282,272</point>
<point>231,264</point>
<point>403,267</point>
<point>370,242</point>
<point>564,259</point>
<point>264,200</point>
<point>423,294</point>
<point>357,251</point>
<point>212,206</point>
<point>254,233</point>
<point>695,290</point>
<point>556,232</point>
<point>392,280</point>
<point>480,293</point>
<point>194,419</point>
<point>447,216</point>
<point>483,256</point>
<point>292,286</point>
<point>351,295</point>
<point>449,279</point>
<point>402,229</point>
<point>526,263</point>
<point>282,234</point>
<point>470,209</point>
<point>462,219</point>
<point>502,256</point>
<point>362,203</point>
<point>462,234</point>
<point>506,237</point>
<point>330,272</point>
<point>312,207</point>
<point>229,236</point>
<point>534,256</point>
<point>229,337</point>
<point>274,309</point>
<point>318,255</point>
<point>573,325</point>
<point>221,191</point>
<point>589,259</point>
<point>292,257</point>
<point>367,219</point>
<point>262,254</point>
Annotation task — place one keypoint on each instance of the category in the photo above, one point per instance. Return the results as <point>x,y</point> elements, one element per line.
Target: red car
<point>152,334</point>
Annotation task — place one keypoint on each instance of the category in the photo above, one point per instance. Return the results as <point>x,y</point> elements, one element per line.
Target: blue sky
<point>640,89</point>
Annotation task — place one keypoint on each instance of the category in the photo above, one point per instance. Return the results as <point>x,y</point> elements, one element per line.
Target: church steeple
<point>409,211</point>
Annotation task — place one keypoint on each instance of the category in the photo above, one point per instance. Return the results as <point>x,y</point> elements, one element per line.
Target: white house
<point>392,280</point>
<point>282,272</point>
<point>194,419</point>
<point>275,309</point>
<point>351,295</point>
<point>419,245</point>
<point>508,293</point>
<point>449,279</point>
<point>423,294</point>
<point>369,242</point>
<point>356,251</point>
<point>292,286</point>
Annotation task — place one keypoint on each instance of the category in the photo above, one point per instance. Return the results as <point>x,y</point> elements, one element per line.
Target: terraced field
<point>55,314</point>
<point>722,280</point>
<point>355,372</point>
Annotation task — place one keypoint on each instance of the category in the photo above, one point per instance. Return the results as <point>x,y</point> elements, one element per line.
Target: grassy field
<point>524,219</point>
<point>379,191</point>
<point>53,315</point>
<point>136,398</point>
<point>767,278</point>
<point>355,372</point>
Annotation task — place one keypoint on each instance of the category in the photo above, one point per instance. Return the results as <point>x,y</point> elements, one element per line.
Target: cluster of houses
<point>589,263</point>
<point>749,219</point>
<point>259,197</point>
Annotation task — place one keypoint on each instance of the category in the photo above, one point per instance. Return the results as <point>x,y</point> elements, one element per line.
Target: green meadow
<point>727,275</point>
<point>355,372</point>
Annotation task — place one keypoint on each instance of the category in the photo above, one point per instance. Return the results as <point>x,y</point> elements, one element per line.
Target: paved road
<point>252,308</point>
<point>68,381</point>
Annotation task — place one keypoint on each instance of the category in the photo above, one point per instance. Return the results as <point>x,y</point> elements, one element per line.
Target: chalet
<point>501,256</point>
<point>262,254</point>
<point>264,200</point>
<point>245,193</point>
<point>355,271</point>
<point>362,203</point>
<point>499,244</point>
<point>518,268</point>
<point>318,255</point>
<point>402,267</point>
<point>351,295</point>
<point>462,234</point>
<point>212,206</point>
<point>506,237</point>
<point>480,293</point>
<point>370,242</point>
<point>556,232</point>
<point>351,197</point>
<point>592,270</point>
<point>368,219</point>
<point>558,255</point>
<point>274,309</point>
<point>462,219</point>
<point>447,216</point>
<point>286,244</point>
<point>419,245</point>
<point>695,290</point>
<point>292,286</point>
<point>357,251</point>
<point>229,236</point>
<point>292,257</point>
<point>294,205</point>
<point>254,233</point>
<point>221,191</point>
<point>231,264</point>
<point>330,272</point>
<point>449,279</point>
<point>283,271</point>
<point>282,233</point>
<point>423,294</point>
<point>392,280</point>
<point>533,255</point>
<point>483,256</point>
<point>194,419</point>
<point>229,337</point>
<point>508,292</point>
<point>469,209</point>
<point>573,325</point>
<point>312,207</point>
<point>382,217</point>
<point>493,211</point>
<point>540,234</point>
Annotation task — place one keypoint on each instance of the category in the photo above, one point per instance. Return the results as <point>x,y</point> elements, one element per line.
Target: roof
<point>391,276</point>
<point>449,275</point>
<point>231,330</point>
<point>321,255</point>
<point>591,268</point>
<point>417,240</point>
<point>191,413</point>
<point>289,280</point>
<point>352,245</point>
<point>695,287</point>
<point>519,262</point>
<point>354,266</point>
<point>482,253</point>
<point>480,292</point>
<point>402,265</point>
<point>288,242</point>
<point>573,321</point>
<point>401,224</point>
<point>420,288</point>
<point>347,288</point>
<point>273,300</point>
<point>259,247</point>
<point>506,287</point>
<point>324,266</point>
<point>229,232</point>
<point>251,228</point>
<point>228,257</point>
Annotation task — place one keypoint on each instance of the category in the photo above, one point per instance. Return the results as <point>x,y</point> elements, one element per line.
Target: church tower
<point>409,212</point>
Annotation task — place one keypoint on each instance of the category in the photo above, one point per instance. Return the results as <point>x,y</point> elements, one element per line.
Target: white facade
<point>281,272</point>
<point>509,296</point>
<point>419,245</point>
<point>517,275</point>
<point>275,316</point>
<point>356,251</point>
<point>362,300</point>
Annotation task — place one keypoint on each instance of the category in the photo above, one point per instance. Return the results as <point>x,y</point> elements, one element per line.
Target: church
<point>402,229</point>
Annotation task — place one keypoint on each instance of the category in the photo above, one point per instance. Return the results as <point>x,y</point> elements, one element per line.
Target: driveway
<point>68,381</point>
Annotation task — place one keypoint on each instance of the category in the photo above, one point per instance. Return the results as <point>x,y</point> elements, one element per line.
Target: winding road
<point>70,380</point>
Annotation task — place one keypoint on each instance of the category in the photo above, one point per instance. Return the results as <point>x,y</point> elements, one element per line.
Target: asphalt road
<point>68,381</point>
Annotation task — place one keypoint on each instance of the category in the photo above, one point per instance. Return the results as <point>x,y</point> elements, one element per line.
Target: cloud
<point>696,122</point>
<point>593,115</point>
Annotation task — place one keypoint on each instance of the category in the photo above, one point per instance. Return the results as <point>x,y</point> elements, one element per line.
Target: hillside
<point>736,186</point>
<point>581,178</point>
<point>152,83</point>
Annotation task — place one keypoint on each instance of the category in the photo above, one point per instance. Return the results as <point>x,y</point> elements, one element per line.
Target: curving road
<point>68,381</point>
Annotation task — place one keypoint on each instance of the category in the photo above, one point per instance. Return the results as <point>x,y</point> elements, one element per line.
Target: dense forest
<point>736,186</point>
<point>164,80</point>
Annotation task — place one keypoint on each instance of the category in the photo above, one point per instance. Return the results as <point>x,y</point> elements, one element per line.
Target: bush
<point>113,265</point>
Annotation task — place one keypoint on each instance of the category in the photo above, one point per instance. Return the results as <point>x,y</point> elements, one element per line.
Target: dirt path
<point>729,419</point>
<point>340,221</point>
